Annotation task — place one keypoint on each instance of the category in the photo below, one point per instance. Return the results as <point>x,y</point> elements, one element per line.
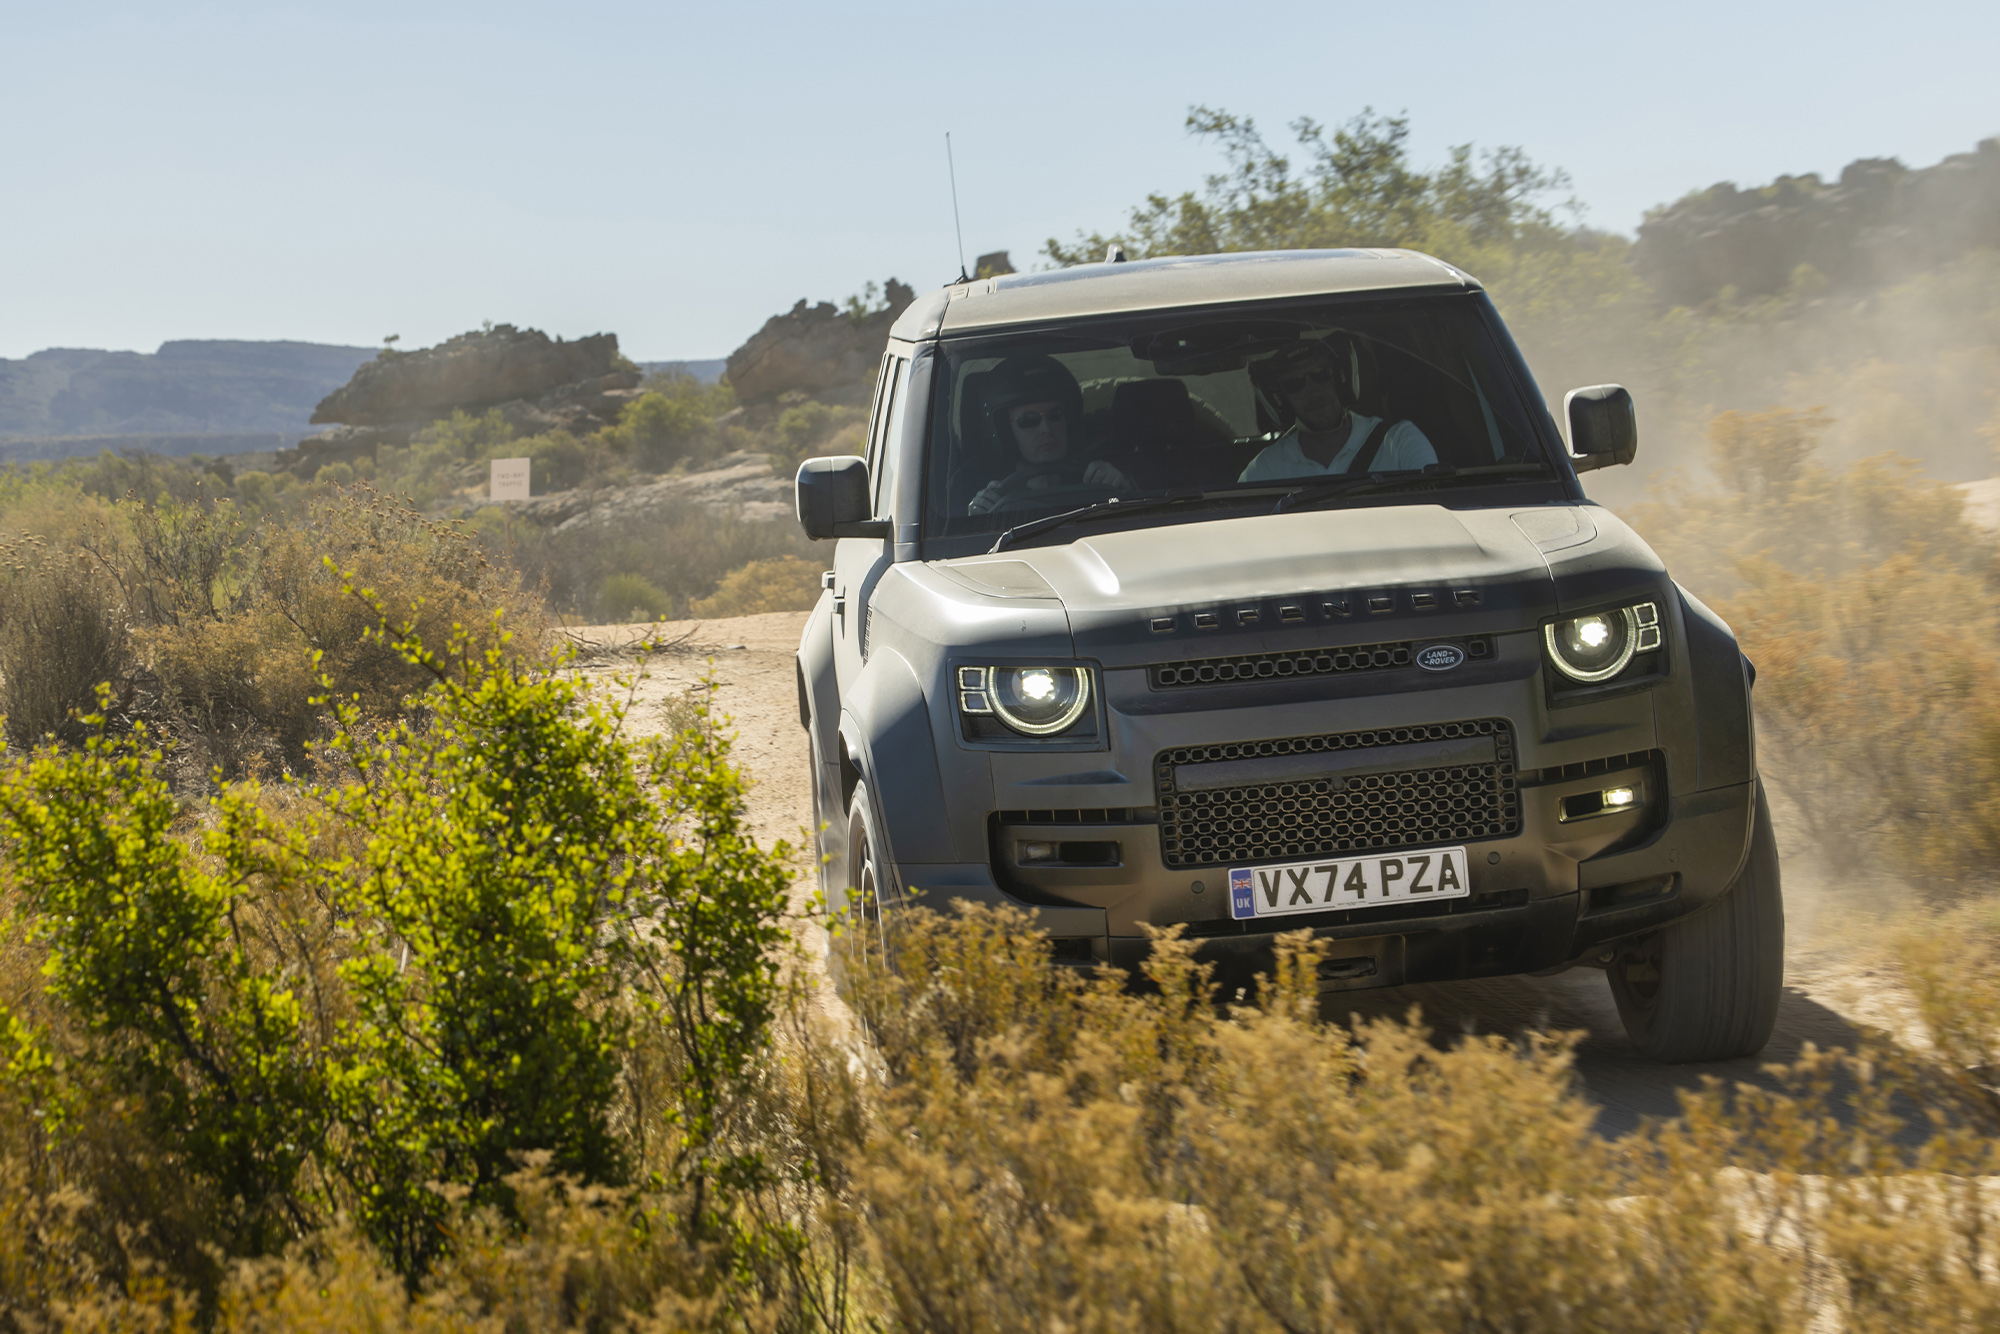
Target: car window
<point>1235,399</point>
<point>888,428</point>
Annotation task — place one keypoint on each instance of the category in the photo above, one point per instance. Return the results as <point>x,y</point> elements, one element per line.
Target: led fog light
<point>1607,801</point>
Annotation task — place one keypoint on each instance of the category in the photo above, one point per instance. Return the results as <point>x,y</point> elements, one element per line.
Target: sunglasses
<point>1028,421</point>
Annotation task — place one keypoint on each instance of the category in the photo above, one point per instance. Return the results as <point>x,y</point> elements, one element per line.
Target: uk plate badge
<point>1242,895</point>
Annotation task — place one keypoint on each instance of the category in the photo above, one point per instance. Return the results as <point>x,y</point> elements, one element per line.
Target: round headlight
<point>1039,701</point>
<point>1595,647</point>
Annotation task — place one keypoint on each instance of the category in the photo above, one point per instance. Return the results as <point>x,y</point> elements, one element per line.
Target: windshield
<point>1229,407</point>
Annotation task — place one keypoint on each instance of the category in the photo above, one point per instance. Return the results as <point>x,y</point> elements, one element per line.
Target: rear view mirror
<point>1603,429</point>
<point>833,499</point>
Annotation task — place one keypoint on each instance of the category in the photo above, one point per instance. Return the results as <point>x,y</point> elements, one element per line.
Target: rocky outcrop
<point>822,352</point>
<point>476,371</point>
<point>537,383</point>
<point>1879,222</point>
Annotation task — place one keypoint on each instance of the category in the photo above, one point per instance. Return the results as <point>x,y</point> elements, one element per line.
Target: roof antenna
<point>957,226</point>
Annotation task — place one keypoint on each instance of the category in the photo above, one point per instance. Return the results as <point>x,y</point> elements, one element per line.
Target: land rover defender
<point>1257,592</point>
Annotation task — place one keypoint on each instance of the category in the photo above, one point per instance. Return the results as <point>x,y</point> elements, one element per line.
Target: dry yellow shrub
<point>1046,1151</point>
<point>242,678</point>
<point>1871,608</point>
<point>781,583</point>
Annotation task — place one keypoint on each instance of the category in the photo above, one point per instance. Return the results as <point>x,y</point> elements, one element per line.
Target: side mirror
<point>1603,429</point>
<point>833,499</point>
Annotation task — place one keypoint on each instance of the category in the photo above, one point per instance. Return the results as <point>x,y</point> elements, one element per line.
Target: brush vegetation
<point>485,1012</point>
<point>362,965</point>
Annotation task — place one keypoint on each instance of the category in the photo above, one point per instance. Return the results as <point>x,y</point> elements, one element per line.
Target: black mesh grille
<point>1266,666</point>
<point>1356,812</point>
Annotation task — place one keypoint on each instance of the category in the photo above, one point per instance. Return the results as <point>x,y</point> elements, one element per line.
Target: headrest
<point>1151,403</point>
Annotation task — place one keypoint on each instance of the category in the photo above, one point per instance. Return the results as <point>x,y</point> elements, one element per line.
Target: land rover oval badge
<point>1440,657</point>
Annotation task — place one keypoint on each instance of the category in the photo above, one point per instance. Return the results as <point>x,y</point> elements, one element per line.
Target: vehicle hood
<point>1114,586</point>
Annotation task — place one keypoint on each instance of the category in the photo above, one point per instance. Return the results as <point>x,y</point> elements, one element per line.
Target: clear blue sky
<point>338,172</point>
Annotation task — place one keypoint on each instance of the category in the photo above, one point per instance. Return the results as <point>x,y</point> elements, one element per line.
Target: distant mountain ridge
<point>60,400</point>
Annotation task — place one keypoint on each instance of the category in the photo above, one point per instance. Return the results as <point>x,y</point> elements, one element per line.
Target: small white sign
<point>510,480</point>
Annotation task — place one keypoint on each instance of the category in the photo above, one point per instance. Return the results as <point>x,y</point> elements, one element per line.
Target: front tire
<point>1706,988</point>
<point>871,878</point>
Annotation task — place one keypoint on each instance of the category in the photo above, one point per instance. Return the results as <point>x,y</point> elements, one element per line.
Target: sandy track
<point>1828,993</point>
<point>751,658</point>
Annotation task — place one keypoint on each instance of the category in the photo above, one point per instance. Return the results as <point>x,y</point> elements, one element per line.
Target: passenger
<point>1327,438</point>
<point>1033,404</point>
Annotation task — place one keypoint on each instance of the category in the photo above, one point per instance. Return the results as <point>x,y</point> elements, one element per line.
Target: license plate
<point>1347,882</point>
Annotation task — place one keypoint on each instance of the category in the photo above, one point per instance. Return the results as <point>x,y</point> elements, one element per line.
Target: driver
<point>1034,403</point>
<point>1326,436</point>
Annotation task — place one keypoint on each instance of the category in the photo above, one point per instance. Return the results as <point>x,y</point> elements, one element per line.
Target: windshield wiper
<point>1314,493</point>
<point>1114,507</point>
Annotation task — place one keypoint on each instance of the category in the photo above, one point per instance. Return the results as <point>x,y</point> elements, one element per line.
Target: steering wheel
<point>1064,485</point>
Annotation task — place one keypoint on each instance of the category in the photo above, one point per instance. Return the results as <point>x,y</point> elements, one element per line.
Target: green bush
<point>803,429</point>
<point>668,423</point>
<point>378,994</point>
<point>154,992</point>
<point>464,436</point>
<point>556,461</point>
<point>256,491</point>
<point>632,597</point>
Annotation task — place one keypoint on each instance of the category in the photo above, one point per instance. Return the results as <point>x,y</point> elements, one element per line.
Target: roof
<point>1088,290</point>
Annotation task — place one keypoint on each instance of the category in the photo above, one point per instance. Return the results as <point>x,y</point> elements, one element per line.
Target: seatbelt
<point>1365,460</point>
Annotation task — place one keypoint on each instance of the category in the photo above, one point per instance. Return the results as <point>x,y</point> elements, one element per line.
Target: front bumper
<point>1083,850</point>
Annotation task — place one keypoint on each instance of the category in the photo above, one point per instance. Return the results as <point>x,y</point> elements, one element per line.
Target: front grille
<point>1357,809</point>
<point>1308,662</point>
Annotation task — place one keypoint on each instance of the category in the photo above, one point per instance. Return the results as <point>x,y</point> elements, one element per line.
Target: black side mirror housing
<point>1603,428</point>
<point>833,499</point>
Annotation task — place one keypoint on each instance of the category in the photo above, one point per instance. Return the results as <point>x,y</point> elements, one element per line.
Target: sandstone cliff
<point>474,371</point>
<point>537,383</point>
<point>822,352</point>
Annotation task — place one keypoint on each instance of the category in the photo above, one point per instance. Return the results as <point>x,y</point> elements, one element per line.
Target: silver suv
<point>1258,592</point>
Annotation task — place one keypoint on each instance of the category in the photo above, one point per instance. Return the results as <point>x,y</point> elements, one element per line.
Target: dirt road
<point>1827,994</point>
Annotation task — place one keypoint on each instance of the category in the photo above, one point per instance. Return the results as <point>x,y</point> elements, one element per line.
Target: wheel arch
<point>885,740</point>
<point>1724,730</point>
